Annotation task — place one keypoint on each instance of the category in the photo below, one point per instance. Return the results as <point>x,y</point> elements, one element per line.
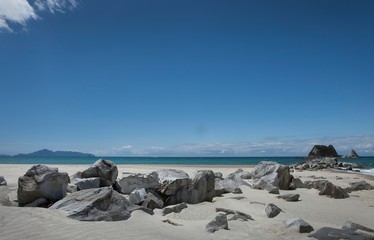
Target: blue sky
<point>238,78</point>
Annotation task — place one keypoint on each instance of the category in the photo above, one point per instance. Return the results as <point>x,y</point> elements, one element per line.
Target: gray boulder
<point>352,154</point>
<point>136,181</point>
<point>333,191</point>
<point>97,204</point>
<point>2,181</point>
<point>174,209</point>
<point>152,200</point>
<point>106,170</point>
<point>202,187</point>
<point>138,196</point>
<point>41,181</point>
<point>290,197</point>
<point>272,210</point>
<point>86,183</point>
<point>271,173</point>
<point>226,186</point>
<point>298,224</point>
<point>327,233</point>
<point>272,190</point>
<point>172,180</point>
<point>218,175</point>
<point>219,222</point>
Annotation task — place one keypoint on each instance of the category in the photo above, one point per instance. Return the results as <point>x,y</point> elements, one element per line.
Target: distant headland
<point>49,153</point>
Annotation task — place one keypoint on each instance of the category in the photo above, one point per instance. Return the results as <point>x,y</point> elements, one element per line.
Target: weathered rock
<point>106,170</point>
<point>355,226</point>
<point>152,200</point>
<point>333,191</point>
<point>236,214</point>
<point>296,183</point>
<point>86,183</point>
<point>136,181</point>
<point>321,151</point>
<point>138,196</point>
<point>226,186</point>
<point>290,197</point>
<point>174,209</point>
<point>272,210</point>
<point>241,173</point>
<point>315,184</point>
<point>2,181</point>
<point>41,181</point>
<point>172,180</point>
<point>357,186</point>
<point>202,188</point>
<point>298,224</point>
<point>327,233</point>
<point>271,173</point>
<point>97,204</point>
<point>219,222</point>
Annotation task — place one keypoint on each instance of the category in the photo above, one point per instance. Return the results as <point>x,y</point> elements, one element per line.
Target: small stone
<point>299,224</point>
<point>174,209</point>
<point>219,222</point>
<point>290,197</point>
<point>272,210</point>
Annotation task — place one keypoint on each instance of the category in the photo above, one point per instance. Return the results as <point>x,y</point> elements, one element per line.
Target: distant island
<point>49,153</point>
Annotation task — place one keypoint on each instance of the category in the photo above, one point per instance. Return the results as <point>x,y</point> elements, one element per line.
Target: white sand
<point>319,211</point>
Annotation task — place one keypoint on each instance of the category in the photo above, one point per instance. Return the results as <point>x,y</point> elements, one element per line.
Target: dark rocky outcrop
<point>41,181</point>
<point>97,204</point>
<point>268,174</point>
<point>219,222</point>
<point>106,170</point>
<point>322,151</point>
<point>298,224</point>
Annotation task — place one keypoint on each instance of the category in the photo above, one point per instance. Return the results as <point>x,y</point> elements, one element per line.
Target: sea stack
<point>352,154</point>
<point>321,151</point>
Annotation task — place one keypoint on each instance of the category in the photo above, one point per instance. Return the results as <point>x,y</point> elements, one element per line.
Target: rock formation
<point>41,181</point>
<point>97,204</point>
<point>322,151</point>
<point>104,169</point>
<point>268,174</point>
<point>352,154</point>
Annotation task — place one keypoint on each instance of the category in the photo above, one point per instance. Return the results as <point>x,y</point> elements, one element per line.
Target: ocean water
<point>366,162</point>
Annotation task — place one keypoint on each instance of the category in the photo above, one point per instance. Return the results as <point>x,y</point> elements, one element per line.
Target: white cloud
<point>55,5</point>
<point>19,12</point>
<point>295,147</point>
<point>15,11</point>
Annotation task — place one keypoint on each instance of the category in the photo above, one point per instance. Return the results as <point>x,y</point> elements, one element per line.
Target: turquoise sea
<point>366,162</point>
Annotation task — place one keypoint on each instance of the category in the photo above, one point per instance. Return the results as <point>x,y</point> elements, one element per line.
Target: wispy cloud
<point>19,12</point>
<point>275,147</point>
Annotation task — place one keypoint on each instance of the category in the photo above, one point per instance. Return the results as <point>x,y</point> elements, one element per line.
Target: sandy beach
<point>318,211</point>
